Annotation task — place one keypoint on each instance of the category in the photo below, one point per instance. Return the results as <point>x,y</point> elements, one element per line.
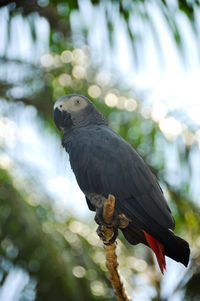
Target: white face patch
<point>72,104</point>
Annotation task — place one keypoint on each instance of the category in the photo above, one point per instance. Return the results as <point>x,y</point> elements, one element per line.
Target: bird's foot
<point>101,234</point>
<point>115,221</point>
<point>110,228</point>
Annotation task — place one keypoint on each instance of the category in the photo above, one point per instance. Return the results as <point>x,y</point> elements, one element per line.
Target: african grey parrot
<point>104,163</point>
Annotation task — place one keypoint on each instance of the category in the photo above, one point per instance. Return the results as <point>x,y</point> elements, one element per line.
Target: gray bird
<point>104,163</point>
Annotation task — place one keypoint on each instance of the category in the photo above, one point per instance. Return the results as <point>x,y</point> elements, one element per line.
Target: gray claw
<point>100,221</point>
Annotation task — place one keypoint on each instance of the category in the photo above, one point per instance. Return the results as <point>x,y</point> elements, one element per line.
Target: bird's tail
<point>162,241</point>
<point>158,249</point>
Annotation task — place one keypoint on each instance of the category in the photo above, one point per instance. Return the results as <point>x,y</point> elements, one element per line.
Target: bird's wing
<point>104,163</point>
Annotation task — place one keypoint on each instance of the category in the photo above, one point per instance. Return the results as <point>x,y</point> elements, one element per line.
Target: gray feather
<point>105,163</point>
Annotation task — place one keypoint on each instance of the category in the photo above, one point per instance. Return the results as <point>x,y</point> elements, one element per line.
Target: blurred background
<point>138,61</point>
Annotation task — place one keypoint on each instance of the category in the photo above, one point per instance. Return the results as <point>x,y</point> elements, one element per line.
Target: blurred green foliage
<point>32,238</point>
<point>64,259</point>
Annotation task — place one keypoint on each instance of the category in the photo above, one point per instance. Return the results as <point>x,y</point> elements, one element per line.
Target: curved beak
<point>57,118</point>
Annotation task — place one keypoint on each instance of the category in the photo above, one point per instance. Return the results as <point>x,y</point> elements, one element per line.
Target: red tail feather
<point>158,249</point>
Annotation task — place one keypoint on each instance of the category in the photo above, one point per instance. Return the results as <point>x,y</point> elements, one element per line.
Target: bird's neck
<point>94,118</point>
<point>91,116</point>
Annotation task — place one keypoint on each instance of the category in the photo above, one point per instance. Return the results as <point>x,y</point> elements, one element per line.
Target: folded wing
<point>104,163</point>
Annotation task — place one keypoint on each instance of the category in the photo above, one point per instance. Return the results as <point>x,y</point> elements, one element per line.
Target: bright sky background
<point>172,80</point>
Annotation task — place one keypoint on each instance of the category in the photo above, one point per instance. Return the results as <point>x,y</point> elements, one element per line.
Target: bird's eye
<point>77,101</point>
<point>60,106</point>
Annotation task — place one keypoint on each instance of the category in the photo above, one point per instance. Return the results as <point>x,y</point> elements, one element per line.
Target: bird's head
<point>75,110</point>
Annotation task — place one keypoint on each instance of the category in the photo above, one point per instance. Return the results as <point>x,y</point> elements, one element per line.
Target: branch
<point>111,257</point>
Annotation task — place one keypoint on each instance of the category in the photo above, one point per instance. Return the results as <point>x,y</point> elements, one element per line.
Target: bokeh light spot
<point>79,56</point>
<point>75,226</point>
<point>137,264</point>
<point>98,289</point>
<point>78,72</point>
<point>66,56</point>
<point>94,91</point>
<point>5,161</point>
<point>65,79</point>
<point>78,271</point>
<point>145,112</point>
<point>131,105</point>
<point>170,127</point>
<point>111,100</point>
<point>46,60</point>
